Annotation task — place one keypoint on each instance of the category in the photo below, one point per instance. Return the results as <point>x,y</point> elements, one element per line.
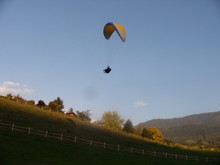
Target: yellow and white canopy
<point>111,27</point>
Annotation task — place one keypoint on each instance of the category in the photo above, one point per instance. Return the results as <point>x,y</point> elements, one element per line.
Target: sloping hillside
<point>31,116</point>
<point>205,127</point>
<point>23,148</point>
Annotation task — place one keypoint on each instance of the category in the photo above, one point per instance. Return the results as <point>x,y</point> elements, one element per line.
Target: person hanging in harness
<point>107,70</point>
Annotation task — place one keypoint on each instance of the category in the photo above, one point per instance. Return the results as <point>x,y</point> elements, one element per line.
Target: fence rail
<point>104,145</point>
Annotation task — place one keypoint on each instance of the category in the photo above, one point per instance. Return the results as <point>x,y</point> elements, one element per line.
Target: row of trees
<point>114,121</point>
<point>55,105</point>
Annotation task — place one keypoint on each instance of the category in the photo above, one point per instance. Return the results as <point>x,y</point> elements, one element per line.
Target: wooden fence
<point>104,145</point>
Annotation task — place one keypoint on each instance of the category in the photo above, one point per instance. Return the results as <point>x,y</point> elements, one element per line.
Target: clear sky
<point>168,67</point>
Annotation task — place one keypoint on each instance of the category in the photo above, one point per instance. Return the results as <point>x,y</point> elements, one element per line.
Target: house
<point>71,114</point>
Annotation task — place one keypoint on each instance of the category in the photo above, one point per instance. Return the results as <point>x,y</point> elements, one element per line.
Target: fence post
<point>155,153</point>
<point>29,130</point>
<point>143,152</point>
<point>90,143</point>
<point>207,159</point>
<point>176,156</point>
<point>186,157</point>
<point>166,155</point>
<point>118,148</point>
<point>61,137</point>
<point>46,133</point>
<point>12,128</point>
<point>104,145</point>
<point>131,150</point>
<point>75,139</point>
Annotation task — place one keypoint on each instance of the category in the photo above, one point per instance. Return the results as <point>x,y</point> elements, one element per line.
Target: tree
<point>156,134</point>
<point>112,120</point>
<point>41,103</point>
<point>56,105</point>
<point>60,105</point>
<point>9,96</point>
<point>153,133</point>
<point>84,115</point>
<point>128,127</point>
<point>53,105</point>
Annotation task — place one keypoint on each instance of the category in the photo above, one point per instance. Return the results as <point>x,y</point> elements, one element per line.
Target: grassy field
<point>19,148</point>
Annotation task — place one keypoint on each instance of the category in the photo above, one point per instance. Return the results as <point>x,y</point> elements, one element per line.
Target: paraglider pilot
<point>107,70</point>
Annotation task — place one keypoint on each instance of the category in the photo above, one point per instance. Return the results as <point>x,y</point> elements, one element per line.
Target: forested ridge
<point>199,129</point>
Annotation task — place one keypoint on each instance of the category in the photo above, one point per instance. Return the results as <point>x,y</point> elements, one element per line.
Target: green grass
<point>20,148</point>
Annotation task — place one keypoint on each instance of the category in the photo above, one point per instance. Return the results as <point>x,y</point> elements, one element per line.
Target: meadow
<point>21,148</point>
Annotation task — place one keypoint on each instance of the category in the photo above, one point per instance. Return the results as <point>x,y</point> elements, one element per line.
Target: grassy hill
<point>201,127</point>
<point>31,116</point>
<point>21,148</point>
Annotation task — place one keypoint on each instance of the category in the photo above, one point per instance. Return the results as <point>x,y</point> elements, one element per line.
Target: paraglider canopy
<point>111,27</point>
<point>107,70</point>
<point>108,30</point>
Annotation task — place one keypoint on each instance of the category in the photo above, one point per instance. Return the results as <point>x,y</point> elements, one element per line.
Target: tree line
<point>113,120</point>
<point>55,105</point>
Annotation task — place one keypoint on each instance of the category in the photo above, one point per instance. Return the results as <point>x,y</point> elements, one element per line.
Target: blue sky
<point>168,66</point>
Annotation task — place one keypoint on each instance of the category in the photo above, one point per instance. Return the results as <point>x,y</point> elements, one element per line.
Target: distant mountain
<point>204,127</point>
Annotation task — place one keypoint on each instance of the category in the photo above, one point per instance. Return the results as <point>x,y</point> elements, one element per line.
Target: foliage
<point>60,105</point>
<point>84,115</point>
<point>9,96</point>
<point>128,127</point>
<point>153,134</point>
<point>113,120</point>
<point>53,105</point>
<point>41,104</point>
<point>56,105</point>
